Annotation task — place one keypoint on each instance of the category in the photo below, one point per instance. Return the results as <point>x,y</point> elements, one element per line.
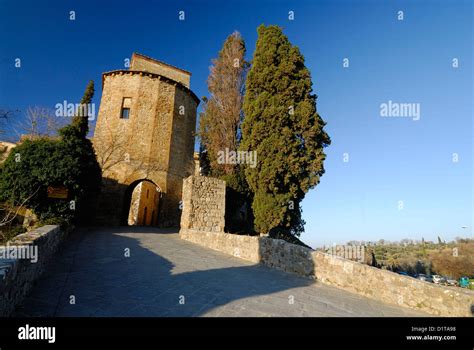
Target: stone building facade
<point>145,131</point>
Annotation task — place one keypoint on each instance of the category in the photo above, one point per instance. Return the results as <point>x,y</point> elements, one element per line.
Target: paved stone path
<point>163,270</point>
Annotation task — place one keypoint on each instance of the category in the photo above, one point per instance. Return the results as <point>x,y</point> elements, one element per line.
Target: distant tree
<point>39,122</point>
<point>219,125</point>
<point>282,126</point>
<point>374,260</point>
<point>5,117</point>
<point>219,130</point>
<point>454,262</point>
<point>405,242</point>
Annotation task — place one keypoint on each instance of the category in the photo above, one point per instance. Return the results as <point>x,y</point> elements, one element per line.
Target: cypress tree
<point>80,120</point>
<point>79,150</point>
<point>282,126</point>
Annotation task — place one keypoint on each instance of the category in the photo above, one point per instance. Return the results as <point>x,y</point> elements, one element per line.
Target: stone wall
<point>181,158</point>
<point>17,276</point>
<point>391,287</point>
<point>244,247</point>
<point>354,277</point>
<point>203,204</point>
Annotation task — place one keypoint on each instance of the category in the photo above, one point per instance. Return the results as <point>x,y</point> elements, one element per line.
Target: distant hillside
<point>453,259</point>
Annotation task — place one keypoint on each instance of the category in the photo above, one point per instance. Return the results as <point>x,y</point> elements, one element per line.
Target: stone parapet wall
<point>244,247</point>
<point>287,257</point>
<point>352,276</point>
<point>17,276</point>
<point>391,287</point>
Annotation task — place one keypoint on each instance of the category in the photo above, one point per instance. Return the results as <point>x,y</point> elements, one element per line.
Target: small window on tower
<point>126,104</point>
<point>125,113</point>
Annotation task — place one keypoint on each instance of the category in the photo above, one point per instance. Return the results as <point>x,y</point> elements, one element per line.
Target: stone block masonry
<point>203,204</point>
<point>391,287</point>
<point>17,275</point>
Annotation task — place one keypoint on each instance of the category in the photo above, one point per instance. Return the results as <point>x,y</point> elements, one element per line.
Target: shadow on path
<point>113,272</point>
<point>147,272</point>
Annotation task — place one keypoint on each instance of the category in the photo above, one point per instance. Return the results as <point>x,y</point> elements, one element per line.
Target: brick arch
<point>127,198</point>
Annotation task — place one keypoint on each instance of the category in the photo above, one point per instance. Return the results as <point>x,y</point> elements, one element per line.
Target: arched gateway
<point>141,204</point>
<point>144,137</point>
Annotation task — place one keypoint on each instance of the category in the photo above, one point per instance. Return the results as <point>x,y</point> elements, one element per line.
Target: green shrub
<point>9,232</point>
<point>30,169</point>
<point>68,161</point>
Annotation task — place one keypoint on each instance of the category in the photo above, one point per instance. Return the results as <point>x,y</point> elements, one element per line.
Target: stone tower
<point>145,132</point>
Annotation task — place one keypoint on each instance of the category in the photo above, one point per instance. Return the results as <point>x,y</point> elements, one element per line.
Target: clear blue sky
<point>390,159</point>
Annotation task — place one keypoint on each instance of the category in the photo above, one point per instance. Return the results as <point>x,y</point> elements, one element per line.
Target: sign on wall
<point>58,192</point>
